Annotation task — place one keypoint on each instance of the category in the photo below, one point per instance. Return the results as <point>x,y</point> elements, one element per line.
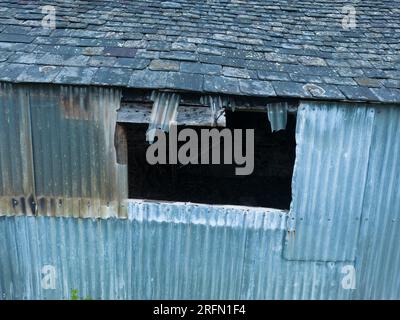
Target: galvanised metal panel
<point>16,172</point>
<point>58,148</point>
<point>379,242</point>
<point>329,178</point>
<point>162,251</point>
<point>75,164</point>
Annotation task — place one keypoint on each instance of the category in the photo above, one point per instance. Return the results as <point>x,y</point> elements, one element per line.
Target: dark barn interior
<point>268,186</point>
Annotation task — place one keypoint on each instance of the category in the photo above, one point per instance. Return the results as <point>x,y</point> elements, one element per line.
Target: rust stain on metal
<point>75,104</point>
<point>63,160</point>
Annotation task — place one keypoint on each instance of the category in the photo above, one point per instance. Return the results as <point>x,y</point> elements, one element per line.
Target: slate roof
<point>266,48</point>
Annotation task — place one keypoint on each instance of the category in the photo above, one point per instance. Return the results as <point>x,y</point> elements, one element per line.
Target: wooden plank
<point>188,116</point>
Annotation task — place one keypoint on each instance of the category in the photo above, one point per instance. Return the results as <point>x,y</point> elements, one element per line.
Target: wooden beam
<point>188,116</point>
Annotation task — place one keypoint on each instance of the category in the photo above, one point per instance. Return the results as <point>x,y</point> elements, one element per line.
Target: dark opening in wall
<point>268,186</point>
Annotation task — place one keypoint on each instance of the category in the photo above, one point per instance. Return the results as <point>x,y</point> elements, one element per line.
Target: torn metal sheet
<point>163,114</point>
<point>277,115</point>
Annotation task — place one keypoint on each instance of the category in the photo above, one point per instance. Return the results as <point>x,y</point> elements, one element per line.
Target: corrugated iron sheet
<point>163,251</point>
<point>379,241</point>
<point>277,115</point>
<point>163,113</point>
<point>329,179</point>
<point>16,171</point>
<point>69,133</point>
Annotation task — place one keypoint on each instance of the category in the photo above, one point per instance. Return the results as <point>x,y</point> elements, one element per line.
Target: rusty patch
<point>121,144</point>
<point>75,104</point>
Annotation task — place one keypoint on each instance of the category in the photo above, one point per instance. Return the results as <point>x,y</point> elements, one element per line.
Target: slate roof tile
<point>272,75</point>
<point>11,71</point>
<point>237,47</point>
<point>164,65</point>
<point>35,73</point>
<point>387,94</point>
<point>111,76</point>
<point>290,89</point>
<point>100,61</point>
<point>63,60</point>
<point>148,79</point>
<point>221,84</point>
<point>132,63</point>
<point>256,88</point>
<point>201,68</point>
<point>185,81</point>
<point>75,75</point>
<point>358,93</point>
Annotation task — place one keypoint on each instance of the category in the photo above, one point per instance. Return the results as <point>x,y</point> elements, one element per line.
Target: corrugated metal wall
<point>69,133</point>
<point>346,199</point>
<point>163,251</point>
<point>329,178</point>
<point>345,210</point>
<point>16,171</point>
<point>379,241</point>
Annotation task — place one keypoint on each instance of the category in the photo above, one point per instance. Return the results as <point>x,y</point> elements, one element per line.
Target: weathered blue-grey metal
<point>379,238</point>
<point>329,180</point>
<point>163,113</point>
<point>16,166</point>
<point>57,151</point>
<point>163,251</point>
<point>345,210</point>
<point>277,115</point>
